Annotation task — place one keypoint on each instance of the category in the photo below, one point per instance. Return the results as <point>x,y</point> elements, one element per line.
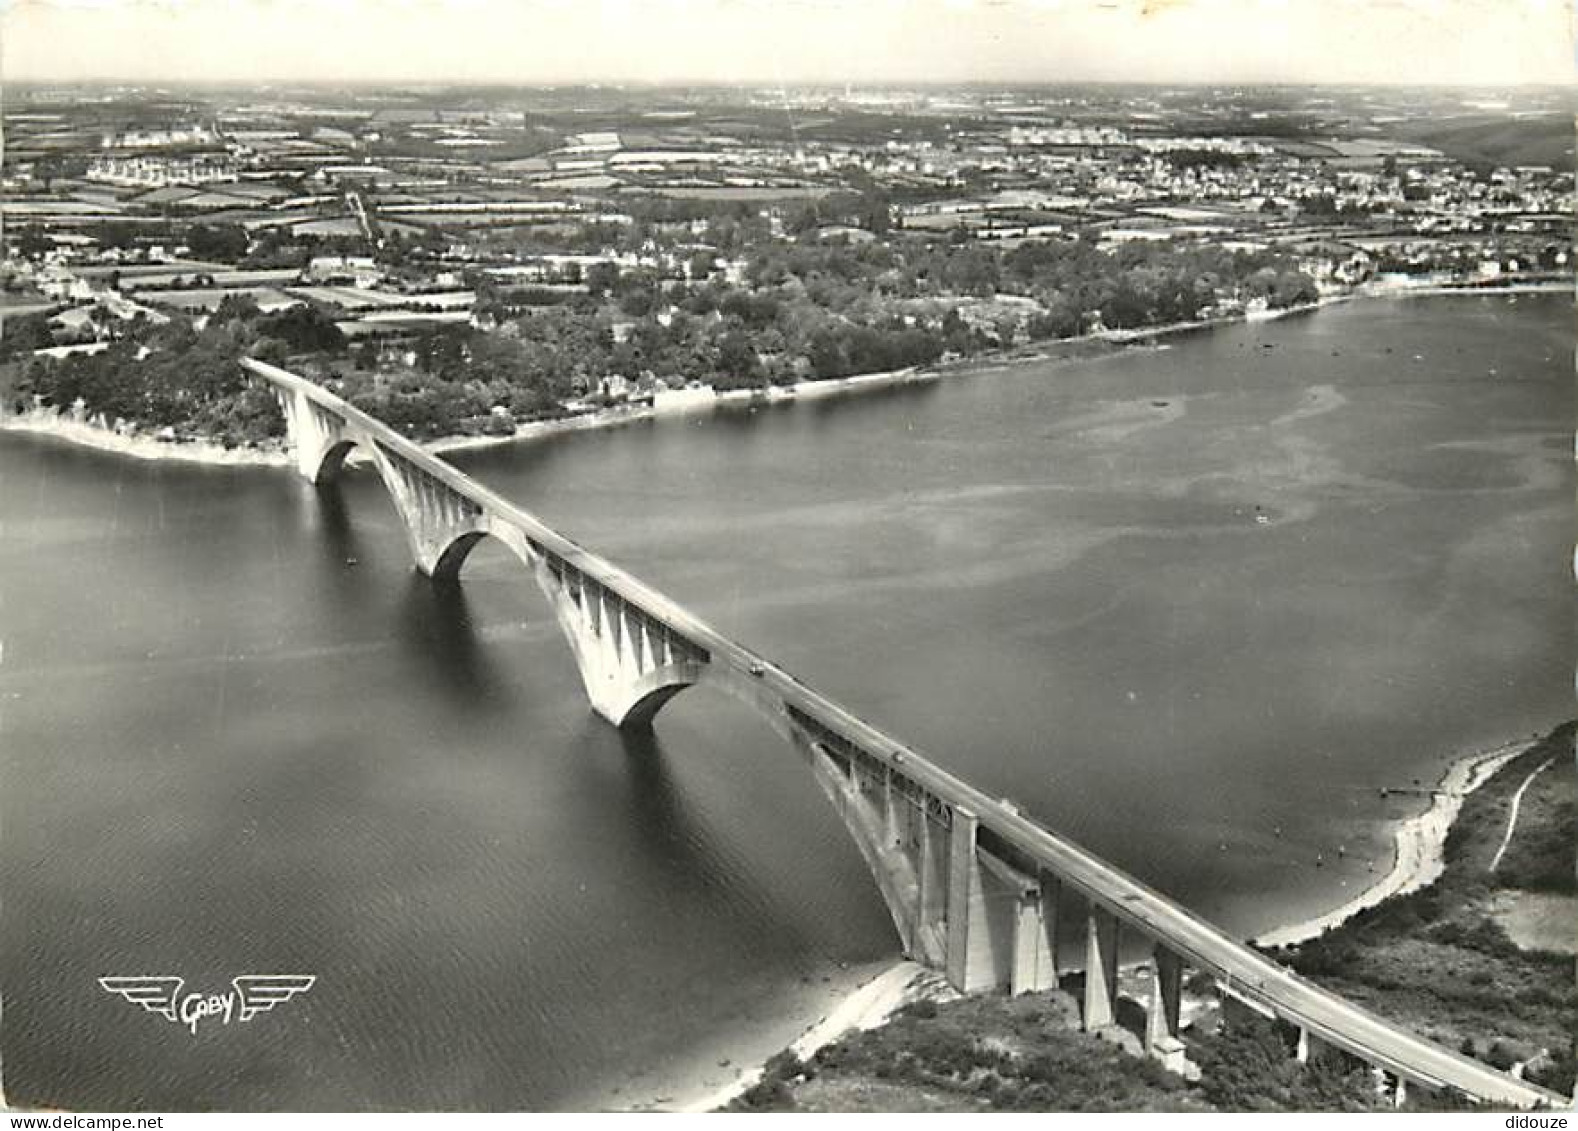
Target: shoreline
<point>63,426</point>
<point>1418,845</point>
<point>877,991</point>
<point>59,424</point>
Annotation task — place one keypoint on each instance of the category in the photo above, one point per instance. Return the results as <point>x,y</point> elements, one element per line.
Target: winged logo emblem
<point>253,994</point>
<point>156,995</point>
<point>262,992</point>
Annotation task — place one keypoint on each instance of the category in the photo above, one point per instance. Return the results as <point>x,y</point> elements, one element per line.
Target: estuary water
<point>1191,606</point>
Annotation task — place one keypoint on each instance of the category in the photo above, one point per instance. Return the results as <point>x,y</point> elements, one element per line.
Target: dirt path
<point>1512,813</point>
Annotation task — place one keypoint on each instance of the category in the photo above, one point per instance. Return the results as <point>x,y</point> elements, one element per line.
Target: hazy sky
<point>769,41</point>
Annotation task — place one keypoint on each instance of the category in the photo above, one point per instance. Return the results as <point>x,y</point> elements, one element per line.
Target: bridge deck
<point>1248,973</point>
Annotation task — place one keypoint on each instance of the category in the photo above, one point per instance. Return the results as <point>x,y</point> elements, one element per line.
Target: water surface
<point>1190,606</point>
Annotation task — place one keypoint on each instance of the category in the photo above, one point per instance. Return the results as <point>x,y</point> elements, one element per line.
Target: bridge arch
<point>453,555</point>
<point>333,460</point>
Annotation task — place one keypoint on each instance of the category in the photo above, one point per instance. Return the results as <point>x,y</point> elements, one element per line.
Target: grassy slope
<point>1435,960</point>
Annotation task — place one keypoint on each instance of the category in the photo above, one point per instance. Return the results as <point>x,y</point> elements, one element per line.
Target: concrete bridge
<point>975,887</point>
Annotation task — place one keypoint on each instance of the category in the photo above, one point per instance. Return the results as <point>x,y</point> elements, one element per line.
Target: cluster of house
<point>158,171</point>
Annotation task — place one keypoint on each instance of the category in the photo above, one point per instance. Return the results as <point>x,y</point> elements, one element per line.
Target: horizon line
<point>869,84</point>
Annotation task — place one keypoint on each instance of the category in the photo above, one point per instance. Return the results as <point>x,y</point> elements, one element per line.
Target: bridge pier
<point>996,937</point>
<point>1163,1010</point>
<point>966,915</point>
<point>1049,908</point>
<point>1101,968</point>
<point>999,933</point>
<point>441,524</point>
<point>1035,942</point>
<point>931,925</point>
<point>1390,1086</point>
<point>1309,1047</point>
<point>1166,991</point>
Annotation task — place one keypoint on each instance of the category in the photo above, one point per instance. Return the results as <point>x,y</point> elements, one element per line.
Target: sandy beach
<point>708,1076</point>
<point>1418,845</point>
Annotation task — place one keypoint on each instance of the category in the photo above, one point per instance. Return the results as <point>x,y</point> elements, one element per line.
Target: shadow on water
<point>693,856</point>
<point>337,535</point>
<point>436,626</point>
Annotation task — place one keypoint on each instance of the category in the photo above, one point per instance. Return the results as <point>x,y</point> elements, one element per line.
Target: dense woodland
<point>1027,1054</point>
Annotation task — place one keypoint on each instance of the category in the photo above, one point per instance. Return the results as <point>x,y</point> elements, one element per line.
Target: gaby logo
<point>253,994</point>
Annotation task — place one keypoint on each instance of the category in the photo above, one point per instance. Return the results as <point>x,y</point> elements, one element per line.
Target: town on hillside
<point>463,261</point>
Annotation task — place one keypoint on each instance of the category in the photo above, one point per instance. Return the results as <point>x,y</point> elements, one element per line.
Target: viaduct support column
<point>964,891</point>
<point>1161,1019</point>
<point>1101,967</point>
<point>933,889</point>
<point>1033,967</point>
<point>1051,919</point>
<point>1310,1047</point>
<point>1162,1012</point>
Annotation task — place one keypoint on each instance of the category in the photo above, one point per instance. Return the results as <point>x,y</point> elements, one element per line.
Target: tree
<point>24,335</point>
<point>601,278</point>
<point>116,234</point>
<point>226,243</point>
<point>304,329</point>
<point>236,307</point>
<point>31,243</point>
<point>1247,1066</point>
<point>827,354</point>
<point>701,265</point>
<point>737,358</point>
